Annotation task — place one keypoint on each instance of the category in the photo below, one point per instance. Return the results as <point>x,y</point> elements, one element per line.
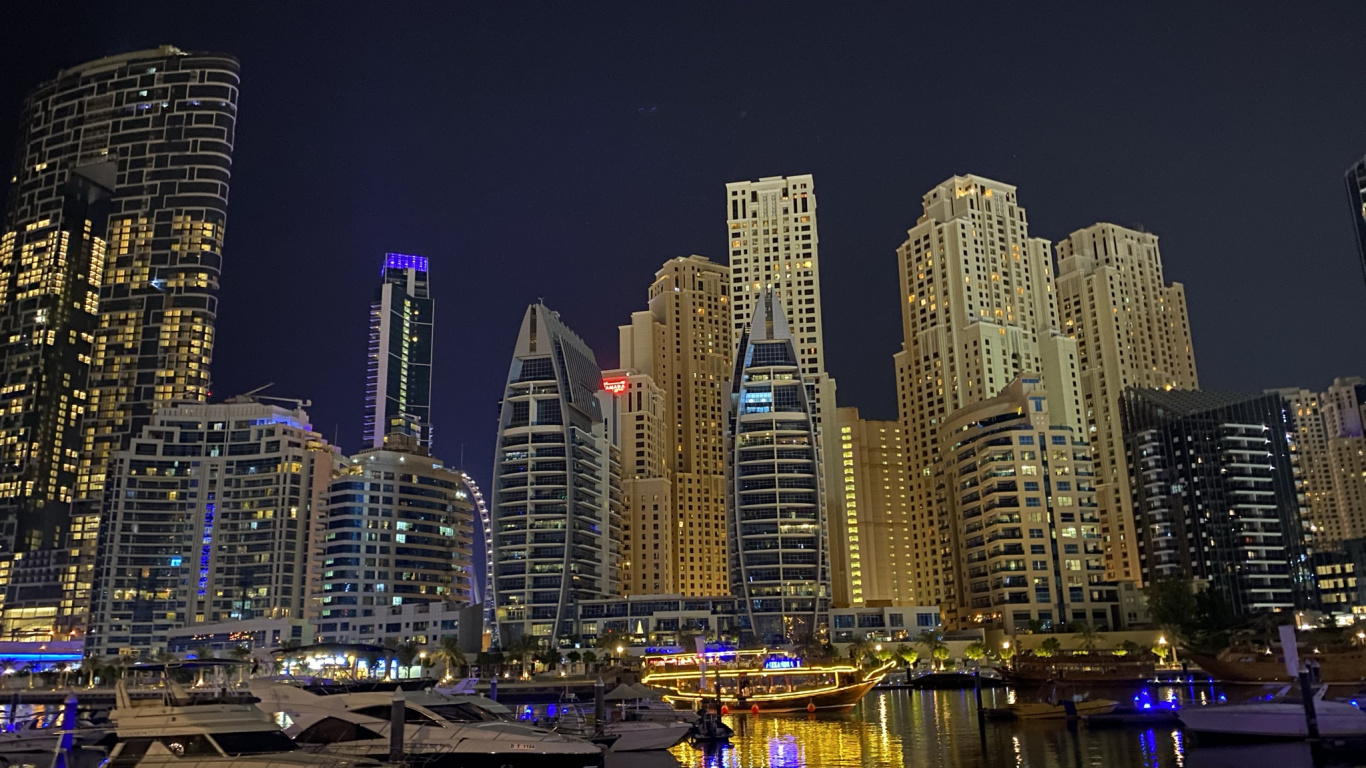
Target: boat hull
<point>1274,720</point>
<point>844,697</point>
<point>1268,668</point>
<point>1032,710</point>
<point>645,737</point>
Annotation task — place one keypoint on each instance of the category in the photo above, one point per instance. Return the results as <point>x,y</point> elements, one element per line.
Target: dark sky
<point>565,151</point>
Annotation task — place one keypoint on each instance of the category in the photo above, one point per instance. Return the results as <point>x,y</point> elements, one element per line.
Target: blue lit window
<point>1032,501</point>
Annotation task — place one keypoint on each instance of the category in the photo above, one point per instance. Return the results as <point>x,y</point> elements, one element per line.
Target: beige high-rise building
<point>683,343</point>
<point>1132,330</point>
<point>1311,457</point>
<point>869,541</point>
<point>648,541</point>
<point>773,244</point>
<point>978,311</point>
<point>1344,412</point>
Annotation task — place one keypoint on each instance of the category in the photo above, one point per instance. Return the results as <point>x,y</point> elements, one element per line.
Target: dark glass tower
<point>398,376</point>
<point>1214,494</point>
<point>1356,196</point>
<point>556,514</point>
<point>155,128</point>
<point>779,554</point>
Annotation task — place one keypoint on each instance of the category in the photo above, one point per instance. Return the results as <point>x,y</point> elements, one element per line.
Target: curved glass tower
<point>779,556</point>
<point>556,513</point>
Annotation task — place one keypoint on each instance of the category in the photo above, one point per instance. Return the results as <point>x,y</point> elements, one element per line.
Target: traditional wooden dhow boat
<point>1097,667</point>
<point>770,680</point>
<point>1250,666</point>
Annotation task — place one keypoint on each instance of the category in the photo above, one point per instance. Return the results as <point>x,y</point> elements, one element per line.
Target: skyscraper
<point>211,515</point>
<point>1344,413</point>
<point>556,511</point>
<point>1356,196</point>
<point>978,311</point>
<point>649,535</point>
<point>398,372</point>
<point>683,343</point>
<point>398,529</point>
<point>1025,516</point>
<point>870,540</point>
<point>155,128</point>
<point>774,246</point>
<point>1132,330</point>
<point>1214,490</point>
<point>1318,502</point>
<point>779,554</point>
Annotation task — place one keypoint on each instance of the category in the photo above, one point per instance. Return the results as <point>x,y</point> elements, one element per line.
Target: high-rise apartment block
<point>1026,520</point>
<point>556,511</point>
<point>649,535</point>
<point>398,529</point>
<point>120,188</point>
<point>398,373</point>
<point>870,537</point>
<point>210,516</point>
<point>978,311</point>
<point>1356,197</point>
<point>682,343</point>
<point>1132,330</point>
<point>774,246</point>
<point>779,553</point>
<point>1324,526</point>
<point>1215,497</point>
<point>1344,412</point>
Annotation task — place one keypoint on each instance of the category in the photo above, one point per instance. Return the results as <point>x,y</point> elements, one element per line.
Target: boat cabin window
<point>253,743</point>
<point>331,730</point>
<point>464,713</point>
<point>130,754</point>
<point>410,715</point>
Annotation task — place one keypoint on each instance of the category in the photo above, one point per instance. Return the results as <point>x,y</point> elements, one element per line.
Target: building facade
<point>1344,412</point>
<point>979,310</point>
<point>1132,330</point>
<point>1025,516</point>
<point>156,129</point>
<point>1215,495</point>
<point>208,520</point>
<point>774,246</point>
<point>556,497</point>
<point>399,529</point>
<point>398,371</point>
<point>1317,501</point>
<point>779,552</point>
<point>869,535</point>
<point>1356,197</point>
<point>682,342</point>
<point>649,535</point>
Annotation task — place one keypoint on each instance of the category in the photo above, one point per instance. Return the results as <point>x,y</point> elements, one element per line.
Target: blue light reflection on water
<point>938,729</point>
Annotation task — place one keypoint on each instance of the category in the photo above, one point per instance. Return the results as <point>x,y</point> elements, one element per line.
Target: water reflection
<point>939,729</point>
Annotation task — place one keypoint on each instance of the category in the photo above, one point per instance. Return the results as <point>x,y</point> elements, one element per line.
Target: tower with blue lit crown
<point>398,373</point>
<point>779,553</point>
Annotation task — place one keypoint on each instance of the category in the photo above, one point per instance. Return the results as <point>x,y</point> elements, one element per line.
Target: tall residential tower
<point>978,311</point>
<point>1132,330</point>
<point>155,128</point>
<point>779,554</point>
<point>556,498</point>
<point>398,371</point>
<point>683,344</point>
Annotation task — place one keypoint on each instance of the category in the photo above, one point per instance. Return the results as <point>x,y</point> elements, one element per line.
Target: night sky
<point>551,151</point>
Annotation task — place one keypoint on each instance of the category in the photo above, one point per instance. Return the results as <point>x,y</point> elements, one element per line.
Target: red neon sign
<point>615,386</point>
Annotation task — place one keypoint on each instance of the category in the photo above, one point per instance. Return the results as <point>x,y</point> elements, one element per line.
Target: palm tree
<point>908,655</point>
<point>590,659</point>
<point>857,650</point>
<point>1088,636</point>
<point>1048,648</point>
<point>1007,652</point>
<point>521,649</point>
<point>448,651</point>
<point>406,653</point>
<point>573,657</point>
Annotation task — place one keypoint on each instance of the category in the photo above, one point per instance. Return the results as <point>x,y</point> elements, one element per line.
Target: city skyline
<point>870,185</point>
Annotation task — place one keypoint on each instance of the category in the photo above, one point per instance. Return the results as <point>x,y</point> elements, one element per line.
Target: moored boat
<point>1277,719</point>
<point>1099,667</point>
<point>1044,710</point>
<point>1248,666</point>
<point>770,681</point>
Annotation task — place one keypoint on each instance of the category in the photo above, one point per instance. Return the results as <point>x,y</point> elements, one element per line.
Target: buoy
<point>754,709</point>
<point>725,709</point>
<point>810,706</point>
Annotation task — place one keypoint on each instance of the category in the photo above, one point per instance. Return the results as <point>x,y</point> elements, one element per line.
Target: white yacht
<point>440,731</point>
<point>1276,718</point>
<point>176,731</point>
